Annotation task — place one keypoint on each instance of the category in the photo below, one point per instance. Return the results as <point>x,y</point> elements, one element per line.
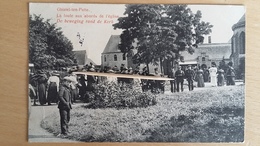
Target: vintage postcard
<point>136,73</point>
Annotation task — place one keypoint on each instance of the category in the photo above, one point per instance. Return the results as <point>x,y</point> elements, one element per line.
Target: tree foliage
<point>160,32</point>
<point>48,47</point>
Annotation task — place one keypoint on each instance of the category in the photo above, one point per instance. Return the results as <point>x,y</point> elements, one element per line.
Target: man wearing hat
<point>65,105</point>
<point>179,74</point>
<point>91,80</point>
<point>172,82</point>
<point>53,88</point>
<point>190,76</point>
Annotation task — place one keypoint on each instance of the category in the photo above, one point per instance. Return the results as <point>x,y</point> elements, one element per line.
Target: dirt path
<point>36,133</point>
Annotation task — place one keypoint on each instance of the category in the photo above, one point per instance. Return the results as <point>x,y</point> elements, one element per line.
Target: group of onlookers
<point>216,77</point>
<point>64,88</point>
<point>46,84</point>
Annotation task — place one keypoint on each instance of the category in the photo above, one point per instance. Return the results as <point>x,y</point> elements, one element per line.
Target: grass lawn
<point>212,115</point>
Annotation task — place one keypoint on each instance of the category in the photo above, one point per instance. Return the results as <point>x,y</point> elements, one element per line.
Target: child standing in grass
<point>65,105</point>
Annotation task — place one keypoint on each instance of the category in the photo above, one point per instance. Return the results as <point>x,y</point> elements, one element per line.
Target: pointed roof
<point>242,19</point>
<point>240,23</point>
<point>112,44</point>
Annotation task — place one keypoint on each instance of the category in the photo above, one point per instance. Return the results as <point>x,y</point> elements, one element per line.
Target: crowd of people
<point>64,88</point>
<point>46,84</point>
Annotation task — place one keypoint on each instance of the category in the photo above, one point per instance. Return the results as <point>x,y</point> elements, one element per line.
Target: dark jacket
<point>179,74</point>
<point>64,98</point>
<point>189,74</point>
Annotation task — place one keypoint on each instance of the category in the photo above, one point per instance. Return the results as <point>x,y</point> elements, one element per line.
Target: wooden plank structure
<point>115,75</point>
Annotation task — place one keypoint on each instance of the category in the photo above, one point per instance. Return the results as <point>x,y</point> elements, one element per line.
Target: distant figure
<point>115,69</point>
<point>157,85</point>
<point>230,74</point>
<point>213,75</point>
<point>189,73</point>
<point>122,67</point>
<point>32,94</point>
<point>53,84</point>
<point>221,77</point>
<point>91,66</point>
<point>206,75</point>
<point>82,86</point>
<point>137,70</point>
<point>200,79</point>
<point>179,74</point>
<point>33,83</point>
<point>130,71</point>
<point>74,87</point>
<point>42,80</point>
<point>130,80</point>
<point>144,82</point>
<point>91,80</point>
<point>172,82</point>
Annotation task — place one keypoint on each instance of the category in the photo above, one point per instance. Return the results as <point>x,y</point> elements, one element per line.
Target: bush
<point>119,95</point>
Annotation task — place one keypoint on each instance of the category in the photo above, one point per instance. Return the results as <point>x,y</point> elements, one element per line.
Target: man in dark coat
<point>172,82</point>
<point>145,82</point>
<point>65,105</point>
<point>91,80</point>
<point>190,76</point>
<point>179,74</point>
<point>82,86</point>
<point>230,74</point>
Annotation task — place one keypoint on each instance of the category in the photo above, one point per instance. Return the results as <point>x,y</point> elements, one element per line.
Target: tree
<point>161,32</point>
<point>48,47</point>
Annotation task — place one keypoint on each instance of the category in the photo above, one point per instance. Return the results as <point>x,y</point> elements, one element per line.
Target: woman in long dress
<point>213,75</point>
<point>42,80</point>
<point>221,77</point>
<point>200,78</point>
<point>53,87</point>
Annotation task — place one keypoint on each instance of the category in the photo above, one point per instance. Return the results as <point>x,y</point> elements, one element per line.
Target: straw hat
<point>68,79</point>
<point>92,69</point>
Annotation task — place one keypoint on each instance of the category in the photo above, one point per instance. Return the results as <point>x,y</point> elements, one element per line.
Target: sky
<point>94,22</point>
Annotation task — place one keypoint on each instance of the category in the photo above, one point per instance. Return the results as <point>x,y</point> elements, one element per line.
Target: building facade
<point>112,56</point>
<point>203,57</point>
<point>207,54</point>
<point>239,46</point>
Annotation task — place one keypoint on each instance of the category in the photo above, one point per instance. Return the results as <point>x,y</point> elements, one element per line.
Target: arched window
<point>105,58</point>
<point>124,58</point>
<point>233,44</point>
<point>242,43</point>
<point>115,57</point>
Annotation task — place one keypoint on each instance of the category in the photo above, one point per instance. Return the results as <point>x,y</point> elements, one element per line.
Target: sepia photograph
<point>136,73</point>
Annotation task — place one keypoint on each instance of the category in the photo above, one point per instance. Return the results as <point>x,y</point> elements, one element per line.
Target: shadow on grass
<point>211,125</point>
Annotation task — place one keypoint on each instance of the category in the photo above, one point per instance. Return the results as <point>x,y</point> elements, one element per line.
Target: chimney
<point>209,39</point>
